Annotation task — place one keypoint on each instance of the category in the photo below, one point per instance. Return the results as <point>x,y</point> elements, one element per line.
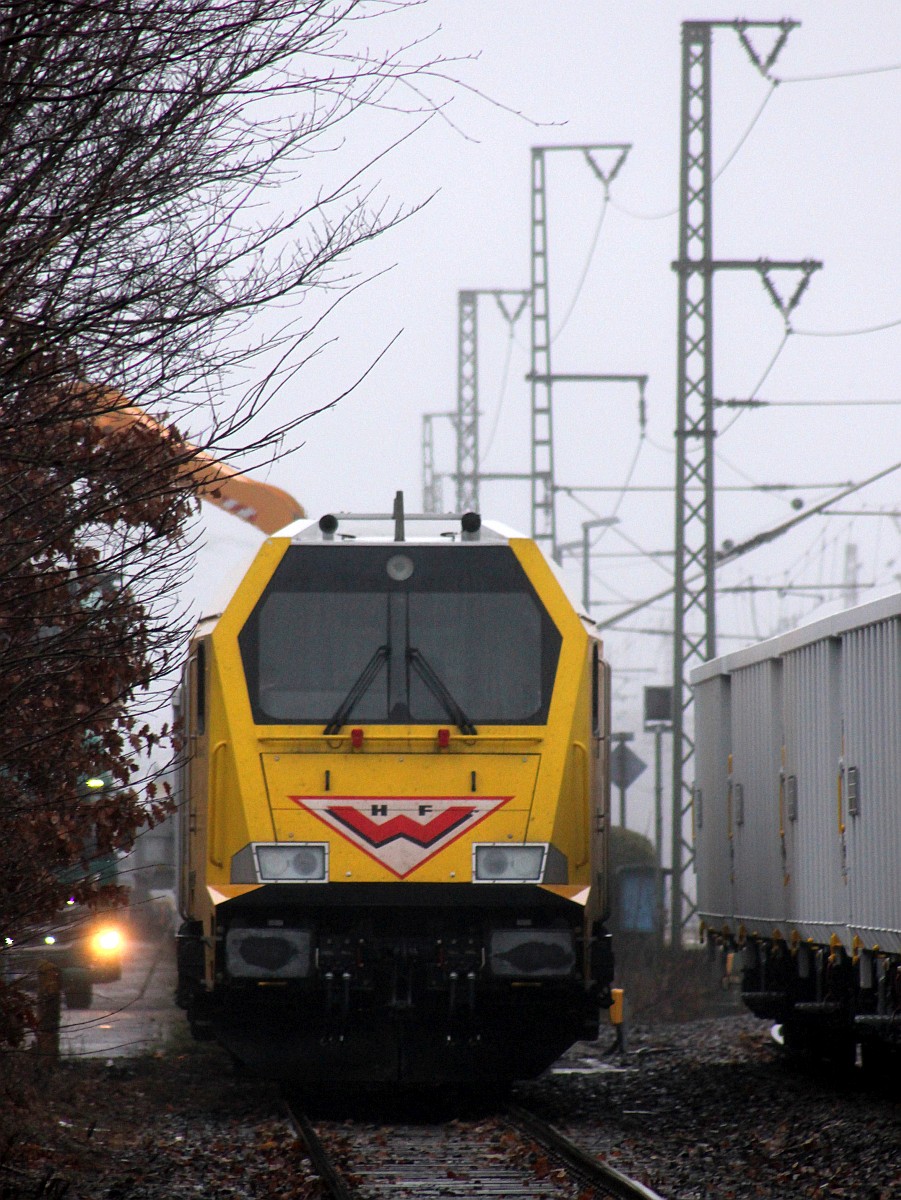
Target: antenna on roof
<point>399,517</point>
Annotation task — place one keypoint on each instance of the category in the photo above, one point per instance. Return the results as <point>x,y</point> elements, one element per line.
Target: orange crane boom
<point>262,505</point>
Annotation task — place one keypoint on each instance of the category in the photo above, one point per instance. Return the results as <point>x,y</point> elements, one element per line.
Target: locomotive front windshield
<point>400,634</point>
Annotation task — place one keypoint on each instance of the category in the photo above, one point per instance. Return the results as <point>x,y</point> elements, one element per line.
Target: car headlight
<point>292,862</point>
<point>107,940</point>
<point>499,862</point>
<point>268,953</point>
<point>531,953</point>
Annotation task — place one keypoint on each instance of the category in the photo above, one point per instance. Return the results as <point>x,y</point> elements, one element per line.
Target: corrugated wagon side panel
<point>712,801</point>
<point>756,752</point>
<point>812,718</point>
<point>871,702</point>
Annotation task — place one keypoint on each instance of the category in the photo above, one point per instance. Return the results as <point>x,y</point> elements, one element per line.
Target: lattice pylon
<point>694,636</point>
<point>694,621</point>
<point>544,517</point>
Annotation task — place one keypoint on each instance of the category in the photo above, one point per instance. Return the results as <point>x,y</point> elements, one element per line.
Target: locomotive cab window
<point>431,635</point>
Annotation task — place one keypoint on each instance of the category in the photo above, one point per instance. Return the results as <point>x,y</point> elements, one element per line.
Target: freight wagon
<point>797,815</point>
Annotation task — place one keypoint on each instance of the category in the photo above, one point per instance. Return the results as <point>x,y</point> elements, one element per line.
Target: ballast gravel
<point>704,1110</point>
<point>711,1110</point>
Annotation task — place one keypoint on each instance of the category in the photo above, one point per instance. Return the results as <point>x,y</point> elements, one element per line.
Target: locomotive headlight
<point>399,567</point>
<point>107,940</point>
<point>292,862</point>
<point>531,953</point>
<point>268,953</point>
<point>499,862</point>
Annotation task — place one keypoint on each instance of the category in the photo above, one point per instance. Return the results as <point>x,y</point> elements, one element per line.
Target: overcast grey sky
<point>808,168</point>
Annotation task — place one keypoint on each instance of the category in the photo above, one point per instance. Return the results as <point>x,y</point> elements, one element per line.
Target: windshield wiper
<point>358,690</point>
<point>439,690</point>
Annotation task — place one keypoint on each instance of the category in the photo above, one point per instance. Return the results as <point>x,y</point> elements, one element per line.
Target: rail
<point>454,1160</point>
<point>336,1186</point>
<point>598,1174</point>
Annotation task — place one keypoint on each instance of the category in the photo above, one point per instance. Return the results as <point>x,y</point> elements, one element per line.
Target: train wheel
<point>840,1052</point>
<point>879,1062</point>
<point>795,1043</point>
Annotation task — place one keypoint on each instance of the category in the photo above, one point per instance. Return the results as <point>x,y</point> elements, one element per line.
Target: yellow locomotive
<point>394,807</point>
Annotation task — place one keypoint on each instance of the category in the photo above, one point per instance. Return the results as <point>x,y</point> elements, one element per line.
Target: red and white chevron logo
<point>401,832</point>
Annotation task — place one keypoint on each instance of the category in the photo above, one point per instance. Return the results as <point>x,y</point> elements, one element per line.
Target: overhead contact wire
<point>839,333</point>
<point>716,175</point>
<point>763,378</point>
<point>505,376</point>
<point>837,74</point>
<point>594,245</point>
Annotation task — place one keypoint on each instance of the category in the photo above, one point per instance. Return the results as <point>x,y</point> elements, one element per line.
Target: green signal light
<point>95,782</point>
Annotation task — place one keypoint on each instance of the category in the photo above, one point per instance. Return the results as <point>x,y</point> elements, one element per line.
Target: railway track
<point>512,1156</point>
<point>605,1180</point>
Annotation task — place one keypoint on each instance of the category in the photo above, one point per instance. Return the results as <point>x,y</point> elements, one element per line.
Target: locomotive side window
<point>453,632</point>
<point>200,689</point>
<point>595,690</point>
